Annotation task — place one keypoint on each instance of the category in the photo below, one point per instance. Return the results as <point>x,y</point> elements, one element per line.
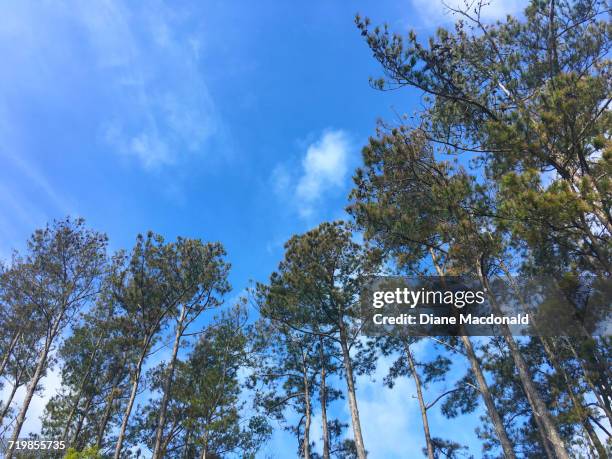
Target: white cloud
<point>390,418</point>
<point>323,169</point>
<point>435,12</point>
<point>166,111</point>
<point>135,65</point>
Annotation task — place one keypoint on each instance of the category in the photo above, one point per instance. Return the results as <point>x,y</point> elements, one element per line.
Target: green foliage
<point>506,170</point>
<point>88,453</point>
<point>206,410</point>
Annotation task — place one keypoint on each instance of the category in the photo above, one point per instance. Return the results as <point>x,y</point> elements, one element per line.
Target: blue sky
<point>232,121</point>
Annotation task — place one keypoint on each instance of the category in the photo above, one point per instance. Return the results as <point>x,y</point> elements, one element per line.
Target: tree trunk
<point>540,410</point>
<point>7,406</point>
<point>352,399</point>
<point>496,419</point>
<point>600,395</point>
<point>483,387</point>
<point>323,390</point>
<point>157,450</point>
<point>79,426</point>
<point>417,383</point>
<point>38,373</point>
<point>9,351</point>
<point>80,390</point>
<point>70,416</point>
<point>128,409</point>
<point>105,418</point>
<point>550,351</point>
<point>186,446</point>
<point>595,441</point>
<point>21,417</point>
<point>576,402</point>
<point>308,414</point>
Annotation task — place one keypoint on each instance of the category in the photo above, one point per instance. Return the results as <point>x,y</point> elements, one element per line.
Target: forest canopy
<point>505,170</point>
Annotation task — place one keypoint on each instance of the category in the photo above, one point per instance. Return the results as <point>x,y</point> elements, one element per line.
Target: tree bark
<point>550,351</point>
<point>80,390</point>
<point>157,450</point>
<point>600,395</point>
<point>31,388</point>
<point>308,414</point>
<point>578,405</point>
<point>323,390</point>
<point>9,351</point>
<point>128,409</point>
<point>203,455</point>
<point>496,419</point>
<point>38,373</point>
<point>417,383</point>
<point>539,408</point>
<point>79,426</point>
<point>105,418</point>
<point>7,405</point>
<point>352,398</point>
<point>483,387</point>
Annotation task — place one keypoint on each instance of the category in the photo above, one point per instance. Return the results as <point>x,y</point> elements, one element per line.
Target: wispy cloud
<point>436,12</point>
<point>27,197</point>
<point>323,169</point>
<point>165,111</point>
<point>139,63</point>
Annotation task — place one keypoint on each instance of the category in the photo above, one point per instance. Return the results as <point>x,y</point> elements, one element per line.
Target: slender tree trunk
<point>600,394</point>
<point>540,410</point>
<point>550,351</point>
<point>79,426</point>
<point>38,374</point>
<point>186,448</point>
<point>308,414</point>
<point>323,390</point>
<point>157,450</point>
<point>595,441</point>
<point>130,404</point>
<point>9,351</point>
<point>70,416</point>
<point>80,390</point>
<point>417,383</point>
<point>352,398</point>
<point>204,446</point>
<point>576,402</point>
<point>496,419</point>
<point>31,388</point>
<point>483,387</point>
<point>7,405</point>
<point>105,418</point>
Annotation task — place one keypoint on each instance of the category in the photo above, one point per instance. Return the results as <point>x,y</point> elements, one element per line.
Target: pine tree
<point>199,273</point>
<point>94,371</point>
<point>316,292</point>
<point>404,201</point>
<point>59,276</point>
<point>206,416</point>
<point>284,373</point>
<point>145,299</point>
